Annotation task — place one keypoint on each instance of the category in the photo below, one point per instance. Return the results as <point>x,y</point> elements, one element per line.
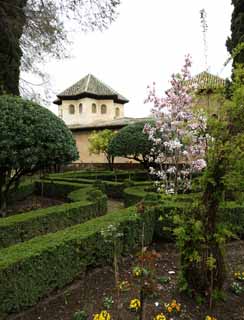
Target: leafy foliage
<point>131,143</point>
<point>203,266</point>
<point>31,138</point>
<point>54,260</point>
<point>99,143</point>
<point>237,31</point>
<point>19,228</point>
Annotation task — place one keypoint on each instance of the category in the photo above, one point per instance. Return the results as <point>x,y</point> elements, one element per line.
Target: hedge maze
<point>46,249</point>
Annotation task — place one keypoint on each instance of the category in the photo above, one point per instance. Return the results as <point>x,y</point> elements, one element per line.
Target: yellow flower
<point>210,318</point>
<point>124,286</point>
<point>103,315</point>
<point>137,272</point>
<point>177,307</point>
<point>160,316</point>
<point>135,304</point>
<point>169,309</point>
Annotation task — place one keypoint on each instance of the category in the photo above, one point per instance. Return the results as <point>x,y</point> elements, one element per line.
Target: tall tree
<point>237,31</point>
<point>35,29</point>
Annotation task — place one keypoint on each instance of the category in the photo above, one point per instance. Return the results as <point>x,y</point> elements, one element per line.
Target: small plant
<point>160,316</point>
<point>80,315</point>
<point>66,295</point>
<point>108,302</point>
<point>199,299</point>
<point>218,295</point>
<point>103,315</point>
<point>237,288</point>
<point>124,285</point>
<point>173,307</point>
<point>163,279</point>
<point>210,318</point>
<point>239,276</point>
<point>112,235</point>
<point>137,272</point>
<point>135,305</point>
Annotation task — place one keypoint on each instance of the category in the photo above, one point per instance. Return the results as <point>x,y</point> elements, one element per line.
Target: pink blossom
<point>179,133</point>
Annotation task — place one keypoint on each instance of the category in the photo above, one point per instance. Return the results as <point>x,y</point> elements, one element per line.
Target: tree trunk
<point>12,20</point>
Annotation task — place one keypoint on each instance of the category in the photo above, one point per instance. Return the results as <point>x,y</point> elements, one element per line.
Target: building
<point>208,95</point>
<point>90,105</point>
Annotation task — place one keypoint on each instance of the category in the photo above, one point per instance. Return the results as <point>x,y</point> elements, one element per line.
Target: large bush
<point>31,138</point>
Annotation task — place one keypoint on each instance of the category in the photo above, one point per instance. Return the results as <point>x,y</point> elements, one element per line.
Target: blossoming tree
<point>179,137</point>
<point>189,142</point>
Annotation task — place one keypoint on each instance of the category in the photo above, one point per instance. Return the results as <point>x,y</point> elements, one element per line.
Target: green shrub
<point>34,268</point>
<point>56,189</point>
<point>132,195</point>
<point>117,176</point>
<point>24,190</point>
<point>80,315</point>
<point>31,139</point>
<point>232,214</point>
<point>88,203</point>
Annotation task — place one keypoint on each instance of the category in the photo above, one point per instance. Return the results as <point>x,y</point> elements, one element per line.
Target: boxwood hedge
<point>32,269</point>
<point>87,203</point>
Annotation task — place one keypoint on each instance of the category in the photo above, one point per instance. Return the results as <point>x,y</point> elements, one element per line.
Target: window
<point>60,112</point>
<point>117,112</point>
<point>71,109</point>
<point>94,108</point>
<point>103,108</point>
<point>80,108</point>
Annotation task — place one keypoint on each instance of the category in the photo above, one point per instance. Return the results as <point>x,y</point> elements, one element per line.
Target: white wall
<point>87,117</point>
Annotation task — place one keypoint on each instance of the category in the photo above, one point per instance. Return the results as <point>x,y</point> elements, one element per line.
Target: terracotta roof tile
<point>90,85</point>
<point>206,80</point>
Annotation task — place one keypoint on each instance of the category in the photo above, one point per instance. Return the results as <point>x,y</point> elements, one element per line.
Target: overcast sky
<point>147,43</point>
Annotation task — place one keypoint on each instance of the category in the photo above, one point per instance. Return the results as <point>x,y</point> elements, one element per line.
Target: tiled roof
<point>206,80</point>
<point>119,122</point>
<point>90,86</point>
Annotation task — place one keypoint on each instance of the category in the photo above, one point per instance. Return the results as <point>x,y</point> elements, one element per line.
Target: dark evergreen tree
<point>237,30</point>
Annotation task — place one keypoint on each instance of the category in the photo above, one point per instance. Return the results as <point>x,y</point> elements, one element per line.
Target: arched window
<point>80,108</point>
<point>117,112</point>
<point>71,109</point>
<point>94,108</point>
<point>103,108</point>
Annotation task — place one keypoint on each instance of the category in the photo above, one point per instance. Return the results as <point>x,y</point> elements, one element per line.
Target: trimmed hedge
<point>133,195</point>
<point>111,188</point>
<point>88,203</point>
<point>117,176</point>
<point>24,190</point>
<point>30,270</point>
<point>56,189</point>
<point>232,213</point>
